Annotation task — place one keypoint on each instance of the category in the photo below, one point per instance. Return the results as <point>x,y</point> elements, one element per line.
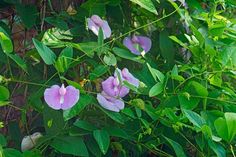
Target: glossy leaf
<point>5,42</point>
<point>123,53</point>
<point>46,53</point>
<point>4,93</point>
<point>98,71</point>
<point>177,147</point>
<point>194,118</point>
<point>84,125</point>
<point>146,4</point>
<point>70,145</point>
<point>88,48</point>
<point>64,60</point>
<point>103,140</point>
<point>156,89</point>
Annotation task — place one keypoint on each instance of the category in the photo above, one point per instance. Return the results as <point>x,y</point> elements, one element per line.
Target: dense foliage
<point>183,105</point>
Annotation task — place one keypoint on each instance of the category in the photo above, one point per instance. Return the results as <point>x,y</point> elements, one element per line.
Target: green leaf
<point>56,37</point>
<point>57,22</point>
<point>156,74</point>
<point>217,29</point>
<point>194,118</point>
<point>175,39</point>
<point>10,152</point>
<point>230,118</point>
<point>231,2</point>
<point>70,145</point>
<point>28,14</point>
<point>53,120</point>
<point>32,153</point>
<point>146,4</point>
<point>5,42</point>
<point>110,59</point>
<point>4,93</point>
<point>46,53</point>
<point>94,7</point>
<point>228,56</point>
<point>20,62</point>
<point>98,71</point>
<point>93,146</point>
<point>64,60</point>
<point>103,140</point>
<point>114,115</point>
<point>3,141</point>
<point>4,103</point>
<point>177,147</point>
<point>217,148</point>
<point>156,89</point>
<point>123,53</point>
<point>221,128</point>
<point>198,35</point>
<point>88,48</point>
<point>100,40</point>
<point>116,132</point>
<point>189,99</point>
<point>129,112</point>
<point>166,46</point>
<point>215,79</point>
<point>84,125</point>
<point>81,104</point>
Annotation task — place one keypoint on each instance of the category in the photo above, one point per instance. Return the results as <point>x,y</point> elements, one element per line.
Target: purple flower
<point>126,75</point>
<point>112,87</point>
<point>138,45</point>
<point>60,97</point>
<point>95,22</point>
<point>110,103</point>
<point>113,90</point>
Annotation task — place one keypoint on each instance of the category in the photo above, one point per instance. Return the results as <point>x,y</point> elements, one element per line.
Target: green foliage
<point>103,140</point>
<point>184,104</point>
<point>46,53</point>
<point>70,145</point>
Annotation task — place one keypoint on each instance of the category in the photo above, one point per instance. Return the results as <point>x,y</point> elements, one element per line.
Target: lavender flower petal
<point>129,44</point>
<point>145,43</point>
<point>126,75</point>
<point>52,97</point>
<point>142,41</point>
<point>95,22</point>
<point>71,97</point>
<point>129,77</point>
<point>92,26</point>
<point>106,29</point>
<point>109,87</point>
<point>123,91</point>
<point>109,103</point>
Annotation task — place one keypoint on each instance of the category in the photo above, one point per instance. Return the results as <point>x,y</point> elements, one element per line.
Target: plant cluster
<point>118,78</point>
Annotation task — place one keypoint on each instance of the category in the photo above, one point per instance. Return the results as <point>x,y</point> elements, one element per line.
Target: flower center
<point>135,40</point>
<point>116,82</point>
<point>62,92</point>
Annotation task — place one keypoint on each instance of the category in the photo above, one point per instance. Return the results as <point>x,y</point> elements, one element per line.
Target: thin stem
<point>205,97</point>
<point>27,82</point>
<point>190,143</point>
<point>16,107</point>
